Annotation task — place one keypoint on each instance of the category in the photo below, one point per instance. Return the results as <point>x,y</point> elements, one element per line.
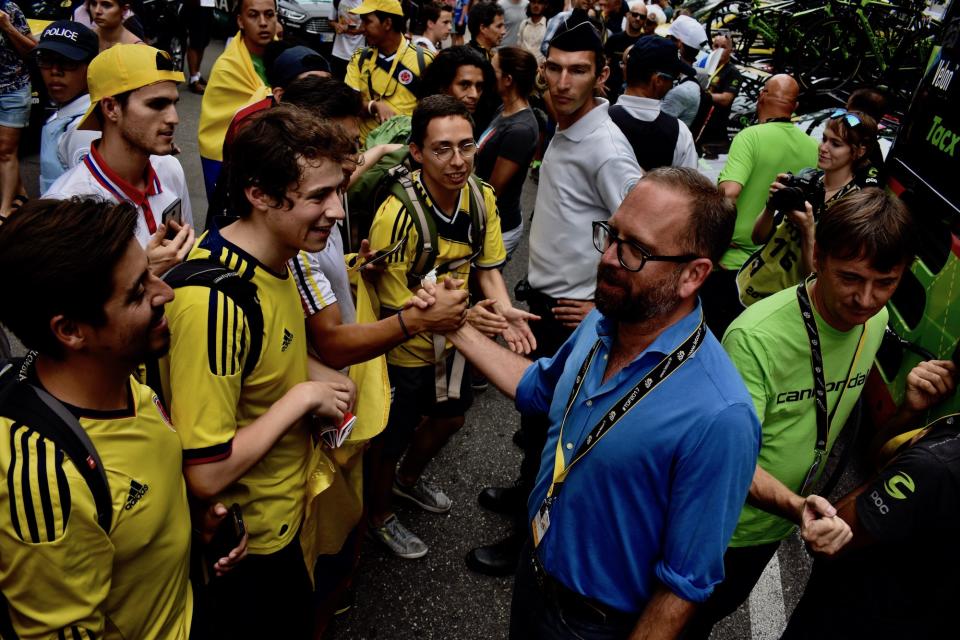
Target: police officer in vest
<point>658,139</point>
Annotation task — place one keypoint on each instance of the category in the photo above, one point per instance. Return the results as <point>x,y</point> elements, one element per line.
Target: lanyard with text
<point>819,385</point>
<point>632,398</point>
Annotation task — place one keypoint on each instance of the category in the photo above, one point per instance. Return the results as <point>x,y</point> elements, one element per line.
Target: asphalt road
<point>436,597</point>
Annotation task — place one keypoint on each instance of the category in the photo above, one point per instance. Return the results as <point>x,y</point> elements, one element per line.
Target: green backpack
<point>398,183</point>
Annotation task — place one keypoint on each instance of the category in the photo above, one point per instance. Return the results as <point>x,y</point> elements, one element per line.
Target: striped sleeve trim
<point>213,453</point>
<point>76,633</point>
<point>400,230</point>
<point>226,335</point>
<point>38,488</point>
<point>315,291</point>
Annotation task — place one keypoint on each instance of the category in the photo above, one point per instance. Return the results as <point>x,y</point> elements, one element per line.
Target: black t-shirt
<point>614,48</point>
<point>728,78</point>
<point>905,585</point>
<point>514,138</point>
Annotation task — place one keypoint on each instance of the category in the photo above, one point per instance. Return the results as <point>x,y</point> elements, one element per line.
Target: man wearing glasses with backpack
<point>451,227</point>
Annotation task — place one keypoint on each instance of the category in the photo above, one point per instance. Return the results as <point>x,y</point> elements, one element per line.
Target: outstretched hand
<point>518,335</point>
<point>485,319</point>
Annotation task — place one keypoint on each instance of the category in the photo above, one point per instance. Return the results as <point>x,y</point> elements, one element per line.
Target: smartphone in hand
<point>227,537</point>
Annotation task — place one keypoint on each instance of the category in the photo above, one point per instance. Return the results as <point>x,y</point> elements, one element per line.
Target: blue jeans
<point>535,615</point>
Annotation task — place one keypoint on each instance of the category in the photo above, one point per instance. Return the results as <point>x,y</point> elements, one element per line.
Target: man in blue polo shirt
<point>652,438</point>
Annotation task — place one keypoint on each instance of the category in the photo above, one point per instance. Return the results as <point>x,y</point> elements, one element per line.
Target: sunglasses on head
<point>852,119</point>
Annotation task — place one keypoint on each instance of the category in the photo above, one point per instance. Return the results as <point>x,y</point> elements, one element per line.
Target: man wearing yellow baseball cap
<point>387,71</point>
<point>133,95</point>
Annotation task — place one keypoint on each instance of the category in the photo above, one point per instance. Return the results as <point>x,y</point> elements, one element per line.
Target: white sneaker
<point>400,540</point>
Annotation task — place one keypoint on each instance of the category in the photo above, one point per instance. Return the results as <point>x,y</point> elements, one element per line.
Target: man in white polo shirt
<point>133,95</point>
<point>587,171</point>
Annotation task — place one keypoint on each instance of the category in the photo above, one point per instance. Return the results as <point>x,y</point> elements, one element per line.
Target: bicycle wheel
<point>828,57</point>
<point>908,64</point>
<point>732,17</point>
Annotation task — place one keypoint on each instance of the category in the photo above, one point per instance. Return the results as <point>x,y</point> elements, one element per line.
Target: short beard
<point>655,301</point>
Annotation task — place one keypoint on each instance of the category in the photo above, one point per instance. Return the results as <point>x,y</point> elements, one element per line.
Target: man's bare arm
<point>664,617</point>
<point>255,440</point>
<point>502,367</point>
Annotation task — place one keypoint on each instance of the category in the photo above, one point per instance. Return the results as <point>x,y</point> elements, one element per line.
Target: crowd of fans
<point>208,421</point>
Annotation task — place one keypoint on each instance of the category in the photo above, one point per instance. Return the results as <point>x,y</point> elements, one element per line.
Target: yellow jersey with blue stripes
<point>393,222</point>
<point>391,79</point>
<point>211,400</point>
<point>61,573</point>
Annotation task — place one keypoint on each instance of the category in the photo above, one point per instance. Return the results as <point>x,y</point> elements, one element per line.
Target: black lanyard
<point>819,384</point>
<point>648,383</point>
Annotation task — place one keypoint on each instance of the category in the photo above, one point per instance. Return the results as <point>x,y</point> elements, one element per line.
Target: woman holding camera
<point>844,162</point>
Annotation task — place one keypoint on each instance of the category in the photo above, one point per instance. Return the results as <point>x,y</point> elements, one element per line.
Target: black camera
<point>522,291</point>
<point>803,187</point>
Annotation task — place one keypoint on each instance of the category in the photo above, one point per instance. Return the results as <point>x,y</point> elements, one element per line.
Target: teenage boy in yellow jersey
<point>441,139</point>
<point>91,311</point>
<point>246,438</point>
<point>387,71</point>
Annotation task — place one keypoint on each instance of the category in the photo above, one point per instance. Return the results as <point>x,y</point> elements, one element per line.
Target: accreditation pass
<point>541,522</point>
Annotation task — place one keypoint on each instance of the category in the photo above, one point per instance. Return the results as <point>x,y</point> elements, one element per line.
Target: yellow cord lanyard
<point>391,75</point>
<point>663,370</point>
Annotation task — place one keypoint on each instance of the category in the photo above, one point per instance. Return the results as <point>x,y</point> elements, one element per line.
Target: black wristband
<point>403,326</point>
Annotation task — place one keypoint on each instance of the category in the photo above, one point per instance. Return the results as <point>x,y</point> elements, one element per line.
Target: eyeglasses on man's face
<point>631,255</point>
<point>445,153</point>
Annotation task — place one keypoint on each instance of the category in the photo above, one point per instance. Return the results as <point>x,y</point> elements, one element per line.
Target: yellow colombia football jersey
<point>392,79</point>
<point>392,222</point>
<point>62,574</point>
<point>209,400</point>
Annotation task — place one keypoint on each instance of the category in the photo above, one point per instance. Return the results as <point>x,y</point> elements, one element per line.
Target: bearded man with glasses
<point>652,436</point>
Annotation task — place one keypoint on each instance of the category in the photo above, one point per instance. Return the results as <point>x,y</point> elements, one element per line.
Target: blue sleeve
<point>539,381</point>
<point>709,488</point>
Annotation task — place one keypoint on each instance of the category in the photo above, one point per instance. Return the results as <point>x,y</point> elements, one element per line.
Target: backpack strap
<point>421,59</point>
<point>427,241</point>
<point>207,272</point>
<point>36,408</point>
<point>365,54</point>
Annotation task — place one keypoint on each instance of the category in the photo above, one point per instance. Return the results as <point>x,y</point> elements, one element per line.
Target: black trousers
<point>265,596</point>
<point>742,568</point>
<point>536,613</point>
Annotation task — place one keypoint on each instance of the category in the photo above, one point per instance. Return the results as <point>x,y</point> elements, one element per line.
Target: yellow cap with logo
<point>122,68</point>
<point>386,6</point>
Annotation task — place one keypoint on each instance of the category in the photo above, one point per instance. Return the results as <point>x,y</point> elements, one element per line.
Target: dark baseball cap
<point>71,40</point>
<point>658,54</point>
<point>293,62</point>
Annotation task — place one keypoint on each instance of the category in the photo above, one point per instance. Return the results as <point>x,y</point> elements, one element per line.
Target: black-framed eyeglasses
<point>445,154</point>
<point>852,119</point>
<point>49,60</point>
<point>631,255</point>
